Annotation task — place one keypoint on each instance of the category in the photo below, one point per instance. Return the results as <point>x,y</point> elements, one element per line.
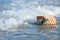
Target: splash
<point>18,11</point>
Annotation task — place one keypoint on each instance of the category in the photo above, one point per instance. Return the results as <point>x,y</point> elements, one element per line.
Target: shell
<point>51,20</point>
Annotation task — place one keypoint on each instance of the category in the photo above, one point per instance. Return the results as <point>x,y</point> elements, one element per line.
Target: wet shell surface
<point>51,20</point>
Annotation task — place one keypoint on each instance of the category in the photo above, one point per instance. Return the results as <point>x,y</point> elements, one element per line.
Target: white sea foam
<point>21,11</point>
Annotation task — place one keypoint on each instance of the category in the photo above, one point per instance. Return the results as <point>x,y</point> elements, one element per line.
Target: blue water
<point>32,32</point>
<point>15,12</point>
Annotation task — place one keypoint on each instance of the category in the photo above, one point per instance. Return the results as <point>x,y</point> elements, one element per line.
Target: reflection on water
<point>46,28</point>
<point>49,33</point>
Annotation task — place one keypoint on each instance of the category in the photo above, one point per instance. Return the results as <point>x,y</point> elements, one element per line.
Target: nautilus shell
<point>49,20</point>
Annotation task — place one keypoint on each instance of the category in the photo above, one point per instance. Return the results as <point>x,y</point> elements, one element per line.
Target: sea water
<point>32,32</point>
<point>18,17</point>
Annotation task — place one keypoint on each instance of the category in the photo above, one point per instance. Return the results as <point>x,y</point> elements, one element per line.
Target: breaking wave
<point>18,11</point>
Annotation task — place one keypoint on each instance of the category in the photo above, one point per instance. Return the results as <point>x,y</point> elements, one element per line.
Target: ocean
<point>32,32</point>
<point>17,16</point>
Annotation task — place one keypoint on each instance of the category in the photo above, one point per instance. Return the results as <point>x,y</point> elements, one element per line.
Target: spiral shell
<point>51,20</point>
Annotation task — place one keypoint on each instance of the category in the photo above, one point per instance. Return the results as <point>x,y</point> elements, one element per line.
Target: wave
<point>18,11</point>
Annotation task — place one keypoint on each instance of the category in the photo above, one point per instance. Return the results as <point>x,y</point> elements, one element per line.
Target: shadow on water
<point>46,28</point>
<point>48,32</point>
